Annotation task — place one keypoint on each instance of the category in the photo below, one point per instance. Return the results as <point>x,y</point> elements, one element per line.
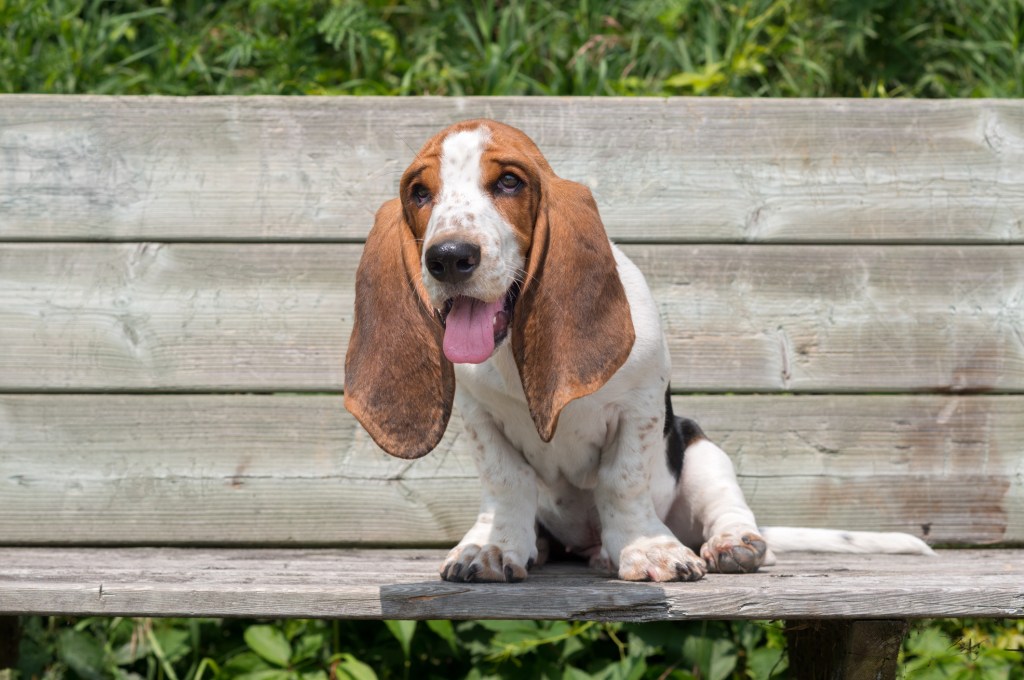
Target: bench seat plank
<point>404,584</point>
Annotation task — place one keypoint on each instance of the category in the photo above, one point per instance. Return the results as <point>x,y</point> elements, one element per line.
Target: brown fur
<point>398,384</point>
<point>572,328</point>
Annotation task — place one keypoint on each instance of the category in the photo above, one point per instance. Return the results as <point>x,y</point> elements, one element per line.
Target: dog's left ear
<point>398,383</point>
<point>571,329</point>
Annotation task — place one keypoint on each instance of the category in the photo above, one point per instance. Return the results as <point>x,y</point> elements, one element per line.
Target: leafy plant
<point>207,649</point>
<point>924,48</point>
<point>965,650</point>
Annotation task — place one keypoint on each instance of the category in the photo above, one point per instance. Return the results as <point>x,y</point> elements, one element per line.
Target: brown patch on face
<point>519,208</point>
<point>509,151</point>
<point>424,175</point>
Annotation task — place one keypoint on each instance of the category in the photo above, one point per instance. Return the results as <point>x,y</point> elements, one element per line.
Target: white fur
<point>602,484</point>
<point>795,539</point>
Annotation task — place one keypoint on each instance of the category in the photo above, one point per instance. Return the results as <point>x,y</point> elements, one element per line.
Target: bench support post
<point>10,636</point>
<point>844,650</point>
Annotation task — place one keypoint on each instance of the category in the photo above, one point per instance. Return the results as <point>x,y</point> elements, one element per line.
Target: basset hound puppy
<point>490,283</point>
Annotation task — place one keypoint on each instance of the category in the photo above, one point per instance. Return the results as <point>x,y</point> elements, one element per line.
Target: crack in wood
<point>633,613</point>
<point>437,596</point>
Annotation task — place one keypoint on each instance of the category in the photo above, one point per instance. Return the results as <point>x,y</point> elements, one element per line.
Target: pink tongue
<point>469,330</point>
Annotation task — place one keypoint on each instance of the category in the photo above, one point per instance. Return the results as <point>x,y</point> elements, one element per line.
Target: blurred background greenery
<point>778,48</point>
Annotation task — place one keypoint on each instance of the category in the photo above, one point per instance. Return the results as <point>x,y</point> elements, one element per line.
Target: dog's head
<point>485,244</point>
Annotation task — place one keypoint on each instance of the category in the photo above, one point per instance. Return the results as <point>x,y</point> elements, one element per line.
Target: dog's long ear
<point>398,383</point>
<point>572,328</point>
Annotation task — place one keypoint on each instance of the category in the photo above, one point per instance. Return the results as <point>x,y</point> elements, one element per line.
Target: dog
<point>490,283</point>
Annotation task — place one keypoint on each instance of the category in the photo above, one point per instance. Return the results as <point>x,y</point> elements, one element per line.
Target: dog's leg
<point>710,500</point>
<point>636,544</point>
<point>502,545</point>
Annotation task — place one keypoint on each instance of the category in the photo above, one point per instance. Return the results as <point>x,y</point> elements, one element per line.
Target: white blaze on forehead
<point>461,172</point>
<point>460,200</point>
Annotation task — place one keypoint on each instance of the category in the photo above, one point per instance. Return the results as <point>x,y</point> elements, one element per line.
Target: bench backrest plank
<point>692,170</point>
<point>283,469</point>
<point>839,280</point>
<point>272,317</point>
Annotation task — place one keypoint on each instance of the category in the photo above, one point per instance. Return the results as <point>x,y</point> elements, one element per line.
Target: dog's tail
<point>796,539</point>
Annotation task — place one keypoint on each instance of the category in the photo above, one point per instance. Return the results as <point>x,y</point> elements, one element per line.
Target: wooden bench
<point>842,283</point>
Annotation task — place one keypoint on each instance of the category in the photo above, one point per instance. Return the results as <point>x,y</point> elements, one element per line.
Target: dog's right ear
<point>572,328</point>
<point>398,383</point>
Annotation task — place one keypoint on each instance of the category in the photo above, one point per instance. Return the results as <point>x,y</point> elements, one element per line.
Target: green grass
<point>849,48</point>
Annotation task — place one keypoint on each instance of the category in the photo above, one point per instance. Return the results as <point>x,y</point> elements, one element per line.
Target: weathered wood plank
<point>251,469</point>
<point>228,317</point>
<point>691,169</point>
<point>153,316</point>
<point>405,584</point>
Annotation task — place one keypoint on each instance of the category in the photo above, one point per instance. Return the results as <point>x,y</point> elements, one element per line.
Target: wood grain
<point>855,253</point>
<point>689,169</point>
<point>404,584</point>
<point>297,470</point>
<point>277,317</point>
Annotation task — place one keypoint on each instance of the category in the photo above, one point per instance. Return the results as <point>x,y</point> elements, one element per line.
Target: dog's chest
<point>585,428</point>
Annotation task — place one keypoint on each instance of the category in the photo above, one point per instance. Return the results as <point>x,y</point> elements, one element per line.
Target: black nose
<point>452,261</point>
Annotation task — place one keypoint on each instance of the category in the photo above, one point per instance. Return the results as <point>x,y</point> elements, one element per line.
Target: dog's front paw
<point>484,563</point>
<point>734,553</point>
<point>659,559</point>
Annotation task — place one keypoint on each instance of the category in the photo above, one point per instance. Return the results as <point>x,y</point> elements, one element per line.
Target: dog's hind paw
<point>734,553</point>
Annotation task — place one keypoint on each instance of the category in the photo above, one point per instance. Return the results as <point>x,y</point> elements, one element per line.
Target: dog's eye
<point>509,183</point>
<point>420,195</point>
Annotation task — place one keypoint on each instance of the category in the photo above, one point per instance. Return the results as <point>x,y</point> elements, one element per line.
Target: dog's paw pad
<point>734,553</point>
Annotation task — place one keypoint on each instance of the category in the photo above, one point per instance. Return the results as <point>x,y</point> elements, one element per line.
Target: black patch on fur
<point>673,439</point>
<point>679,434</point>
<point>676,436</point>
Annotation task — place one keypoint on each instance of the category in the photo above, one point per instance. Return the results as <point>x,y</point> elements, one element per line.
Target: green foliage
<point>965,650</point>
<point>207,649</point>
<point>183,649</point>
<point>926,48</point>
